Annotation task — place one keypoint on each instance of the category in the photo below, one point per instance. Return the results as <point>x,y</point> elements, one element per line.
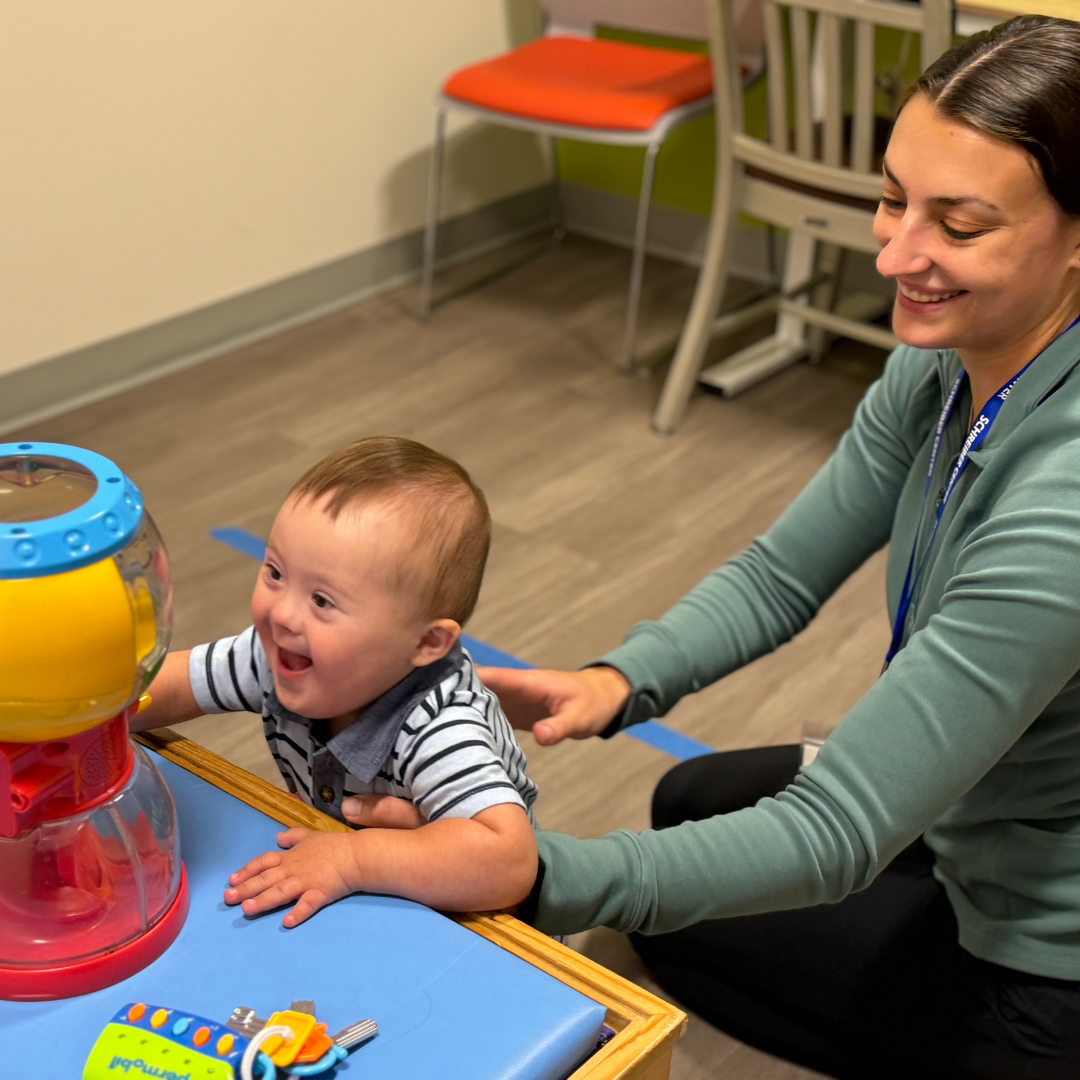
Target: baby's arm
<point>171,697</point>
<point>481,863</point>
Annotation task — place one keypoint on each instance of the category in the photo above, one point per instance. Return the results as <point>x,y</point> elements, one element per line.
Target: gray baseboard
<point>673,234</point>
<point>680,235</point>
<point>59,383</point>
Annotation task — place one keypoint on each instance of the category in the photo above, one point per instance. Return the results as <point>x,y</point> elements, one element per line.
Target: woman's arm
<point>913,753</point>
<point>761,598</point>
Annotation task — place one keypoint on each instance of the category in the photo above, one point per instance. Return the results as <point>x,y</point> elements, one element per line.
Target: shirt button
<point>326,793</point>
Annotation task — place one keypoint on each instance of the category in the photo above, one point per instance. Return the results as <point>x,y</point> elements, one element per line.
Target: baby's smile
<point>293,663</point>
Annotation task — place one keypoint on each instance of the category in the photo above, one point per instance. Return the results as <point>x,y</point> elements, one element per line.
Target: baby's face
<point>337,631</point>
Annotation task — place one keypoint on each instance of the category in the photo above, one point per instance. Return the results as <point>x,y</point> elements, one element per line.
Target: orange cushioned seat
<point>586,82</point>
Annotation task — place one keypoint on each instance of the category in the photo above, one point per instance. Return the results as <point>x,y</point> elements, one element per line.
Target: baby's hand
<point>315,869</point>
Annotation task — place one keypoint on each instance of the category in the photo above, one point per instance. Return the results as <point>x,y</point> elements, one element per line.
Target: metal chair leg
<point>558,216</point>
<point>427,273</point>
<point>637,267</point>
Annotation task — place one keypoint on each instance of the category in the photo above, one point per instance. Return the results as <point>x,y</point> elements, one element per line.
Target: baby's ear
<point>437,640</point>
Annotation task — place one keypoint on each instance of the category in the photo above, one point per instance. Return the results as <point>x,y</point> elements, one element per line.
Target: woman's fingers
<point>291,837</point>
<point>559,705</point>
<point>525,696</point>
<point>382,812</point>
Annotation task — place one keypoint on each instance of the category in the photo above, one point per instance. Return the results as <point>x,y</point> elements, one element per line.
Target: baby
<point>373,565</point>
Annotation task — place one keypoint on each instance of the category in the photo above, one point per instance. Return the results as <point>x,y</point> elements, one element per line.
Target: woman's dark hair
<point>1019,82</point>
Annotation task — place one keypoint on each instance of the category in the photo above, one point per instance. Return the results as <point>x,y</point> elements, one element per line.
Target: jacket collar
<point>1047,373</point>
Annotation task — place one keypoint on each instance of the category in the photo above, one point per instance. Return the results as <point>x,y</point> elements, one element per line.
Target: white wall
<point>157,157</point>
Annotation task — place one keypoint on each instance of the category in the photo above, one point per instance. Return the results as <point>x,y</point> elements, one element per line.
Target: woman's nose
<point>903,249</point>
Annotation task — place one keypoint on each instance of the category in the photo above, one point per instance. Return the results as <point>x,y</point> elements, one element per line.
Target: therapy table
<point>470,997</point>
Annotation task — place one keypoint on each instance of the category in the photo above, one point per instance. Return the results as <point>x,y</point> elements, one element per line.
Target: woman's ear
<point>437,640</point>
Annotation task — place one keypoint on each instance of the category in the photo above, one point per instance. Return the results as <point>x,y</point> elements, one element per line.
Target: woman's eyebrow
<point>962,200</point>
<point>944,200</point>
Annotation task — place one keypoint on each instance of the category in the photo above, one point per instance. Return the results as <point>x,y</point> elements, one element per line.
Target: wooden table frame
<point>647,1028</point>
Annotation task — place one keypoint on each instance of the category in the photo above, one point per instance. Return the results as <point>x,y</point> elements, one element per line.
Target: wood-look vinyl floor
<point>598,522</point>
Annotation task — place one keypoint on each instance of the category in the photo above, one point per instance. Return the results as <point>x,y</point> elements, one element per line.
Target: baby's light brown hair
<point>434,493</point>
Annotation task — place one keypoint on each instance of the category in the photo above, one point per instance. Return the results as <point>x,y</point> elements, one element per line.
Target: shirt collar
<point>366,743</point>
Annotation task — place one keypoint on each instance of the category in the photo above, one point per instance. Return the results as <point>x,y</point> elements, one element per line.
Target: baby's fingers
<point>309,902</point>
<point>266,861</point>
<point>270,894</point>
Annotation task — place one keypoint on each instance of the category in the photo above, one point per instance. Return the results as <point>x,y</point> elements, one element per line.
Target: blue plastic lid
<point>61,508</point>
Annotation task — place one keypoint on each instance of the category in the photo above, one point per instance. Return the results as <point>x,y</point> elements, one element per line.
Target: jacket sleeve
<point>1000,646</point>
<point>767,594</point>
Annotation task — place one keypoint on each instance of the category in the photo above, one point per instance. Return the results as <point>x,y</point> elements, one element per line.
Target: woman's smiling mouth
<point>919,297</point>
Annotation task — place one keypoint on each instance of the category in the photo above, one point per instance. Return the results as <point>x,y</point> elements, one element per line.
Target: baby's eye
<point>273,571</point>
<point>320,600</point>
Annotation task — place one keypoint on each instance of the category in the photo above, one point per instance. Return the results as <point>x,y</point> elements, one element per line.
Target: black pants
<point>876,986</point>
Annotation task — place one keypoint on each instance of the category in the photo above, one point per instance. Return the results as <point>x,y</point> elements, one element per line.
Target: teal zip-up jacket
<point>971,737</point>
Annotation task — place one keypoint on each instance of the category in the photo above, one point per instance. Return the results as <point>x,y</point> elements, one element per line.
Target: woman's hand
<point>381,812</point>
<point>559,705</point>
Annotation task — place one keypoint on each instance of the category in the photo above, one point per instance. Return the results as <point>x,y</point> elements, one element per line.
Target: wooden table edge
<point>647,1027</point>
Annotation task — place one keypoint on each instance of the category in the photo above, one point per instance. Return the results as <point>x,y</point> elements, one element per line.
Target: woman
<point>908,904</point>
<point>957,954</point>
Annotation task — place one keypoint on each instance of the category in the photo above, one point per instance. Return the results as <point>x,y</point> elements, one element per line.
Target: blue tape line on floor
<point>657,735</point>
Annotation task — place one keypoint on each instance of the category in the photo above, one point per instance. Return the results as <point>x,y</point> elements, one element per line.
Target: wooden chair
<point>815,181</point>
<point>571,84</point>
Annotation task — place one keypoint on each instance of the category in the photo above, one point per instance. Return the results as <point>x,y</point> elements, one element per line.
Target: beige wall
<point>157,157</point>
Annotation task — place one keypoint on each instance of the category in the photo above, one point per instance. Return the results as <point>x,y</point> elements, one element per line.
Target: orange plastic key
<point>279,1051</point>
<point>318,1042</point>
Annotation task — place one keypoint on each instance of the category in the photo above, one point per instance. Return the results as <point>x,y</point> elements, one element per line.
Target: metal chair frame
<point>814,221</point>
<point>651,140</point>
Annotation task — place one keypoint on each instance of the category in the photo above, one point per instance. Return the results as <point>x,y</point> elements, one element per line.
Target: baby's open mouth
<point>292,661</point>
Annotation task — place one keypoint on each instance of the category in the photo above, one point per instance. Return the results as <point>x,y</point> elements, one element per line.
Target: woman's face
<point>982,254</point>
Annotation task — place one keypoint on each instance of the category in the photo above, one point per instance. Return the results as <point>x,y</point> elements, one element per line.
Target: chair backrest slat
<point>862,106</point>
<point>833,141</point>
<point>800,70</point>
<point>822,82</point>
<point>776,75</point>
<point>902,16</point>
<point>678,18</point>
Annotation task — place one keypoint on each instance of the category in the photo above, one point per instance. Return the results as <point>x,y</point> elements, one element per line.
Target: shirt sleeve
<point>452,768</point>
<point>230,674</point>
<point>763,597</point>
<point>1002,644</point>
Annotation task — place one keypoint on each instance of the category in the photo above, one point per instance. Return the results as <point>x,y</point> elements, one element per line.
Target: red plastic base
<point>85,976</point>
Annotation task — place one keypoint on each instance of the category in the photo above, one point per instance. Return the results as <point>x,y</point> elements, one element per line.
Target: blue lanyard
<point>979,430</point>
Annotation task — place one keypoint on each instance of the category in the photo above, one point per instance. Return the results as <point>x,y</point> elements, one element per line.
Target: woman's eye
<point>273,571</point>
<point>891,204</point>
<point>956,234</point>
<point>320,600</point>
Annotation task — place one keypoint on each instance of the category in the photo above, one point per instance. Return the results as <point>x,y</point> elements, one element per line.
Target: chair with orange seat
<point>571,84</point>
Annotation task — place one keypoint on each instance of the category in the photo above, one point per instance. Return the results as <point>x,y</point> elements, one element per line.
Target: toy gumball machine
<point>91,884</point>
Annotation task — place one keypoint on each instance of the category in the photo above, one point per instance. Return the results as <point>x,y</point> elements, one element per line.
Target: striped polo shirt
<point>438,738</point>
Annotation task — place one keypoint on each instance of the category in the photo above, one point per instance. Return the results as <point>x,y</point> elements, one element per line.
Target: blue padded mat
<point>448,1003</point>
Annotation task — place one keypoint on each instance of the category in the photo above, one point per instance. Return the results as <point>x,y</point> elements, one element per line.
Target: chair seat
<point>586,82</point>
